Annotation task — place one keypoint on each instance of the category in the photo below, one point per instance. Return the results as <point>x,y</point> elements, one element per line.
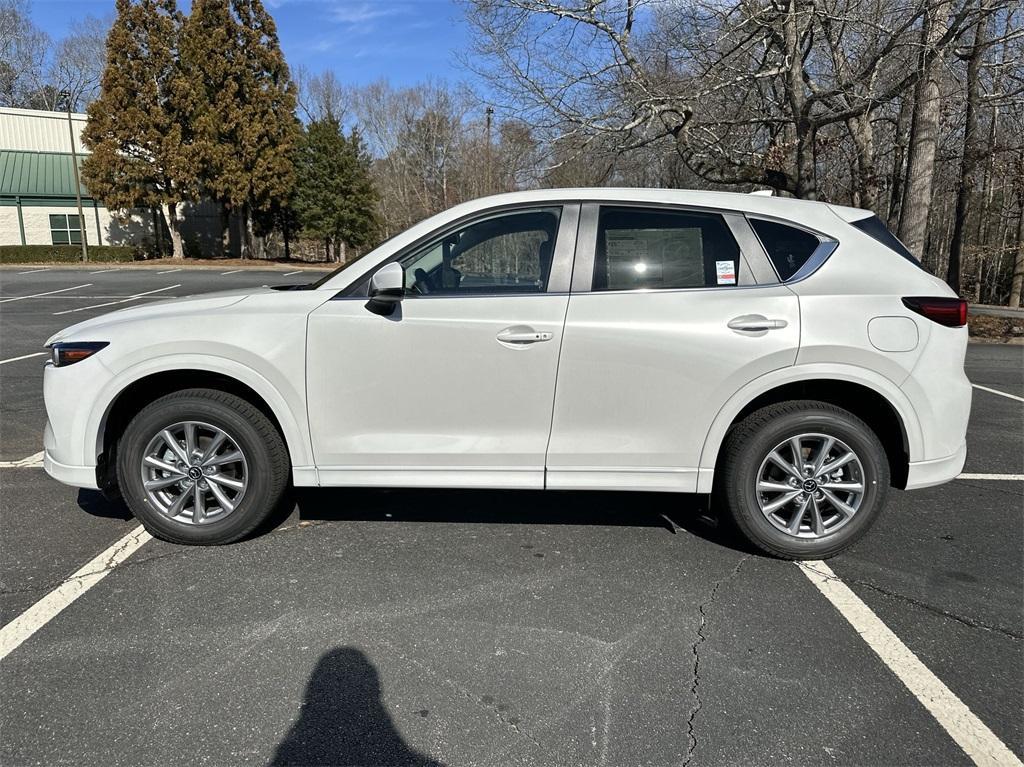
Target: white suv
<point>788,356</point>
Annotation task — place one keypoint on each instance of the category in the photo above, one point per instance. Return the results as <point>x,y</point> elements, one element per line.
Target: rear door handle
<point>523,334</point>
<point>755,323</point>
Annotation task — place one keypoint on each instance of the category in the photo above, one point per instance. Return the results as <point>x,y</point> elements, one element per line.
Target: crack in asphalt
<point>964,620</point>
<point>969,622</point>
<point>691,734</point>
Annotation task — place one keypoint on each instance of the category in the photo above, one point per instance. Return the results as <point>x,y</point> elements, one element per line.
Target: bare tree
<point>23,51</point>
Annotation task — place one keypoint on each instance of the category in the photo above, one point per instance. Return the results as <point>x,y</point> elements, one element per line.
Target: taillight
<point>951,312</point>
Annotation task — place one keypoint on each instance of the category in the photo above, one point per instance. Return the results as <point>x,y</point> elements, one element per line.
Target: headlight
<point>67,353</point>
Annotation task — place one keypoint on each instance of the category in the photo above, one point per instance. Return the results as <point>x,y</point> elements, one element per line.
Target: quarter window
<point>507,253</point>
<point>65,229</point>
<point>640,248</point>
<point>787,247</point>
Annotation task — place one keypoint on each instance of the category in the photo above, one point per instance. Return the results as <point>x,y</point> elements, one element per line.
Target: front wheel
<point>803,480</point>
<point>201,467</point>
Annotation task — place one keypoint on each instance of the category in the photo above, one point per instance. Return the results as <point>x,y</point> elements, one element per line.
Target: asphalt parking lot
<point>497,628</point>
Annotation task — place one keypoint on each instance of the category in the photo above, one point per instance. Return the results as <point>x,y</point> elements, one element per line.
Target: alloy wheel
<point>194,472</point>
<point>810,485</point>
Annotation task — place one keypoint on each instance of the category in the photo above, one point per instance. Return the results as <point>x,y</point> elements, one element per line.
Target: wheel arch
<point>130,392</point>
<point>875,400</point>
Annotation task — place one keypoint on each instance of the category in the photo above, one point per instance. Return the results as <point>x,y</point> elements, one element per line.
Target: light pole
<point>78,183</point>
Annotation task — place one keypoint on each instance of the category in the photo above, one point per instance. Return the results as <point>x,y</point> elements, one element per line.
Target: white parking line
<point>236,271</point>
<point>969,732</point>
<point>33,271</point>
<point>1000,393</point>
<point>1007,477</point>
<point>42,612</point>
<point>31,462</point>
<point>169,271</point>
<point>47,293</point>
<point>289,274</point>
<point>103,271</point>
<point>122,301</point>
<point>23,357</point>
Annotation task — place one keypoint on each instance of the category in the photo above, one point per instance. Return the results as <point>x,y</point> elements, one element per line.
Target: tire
<point>251,454</point>
<point>751,479</point>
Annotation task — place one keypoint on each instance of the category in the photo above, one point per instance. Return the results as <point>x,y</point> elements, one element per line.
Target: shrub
<point>30,254</point>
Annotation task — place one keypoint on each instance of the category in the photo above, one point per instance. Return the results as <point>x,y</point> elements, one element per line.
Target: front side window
<point>506,253</point>
<point>648,248</point>
<point>787,247</point>
<point>65,229</point>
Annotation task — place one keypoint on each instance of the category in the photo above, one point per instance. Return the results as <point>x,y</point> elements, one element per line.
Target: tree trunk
<point>1018,263</point>
<point>924,131</point>
<point>899,157</point>
<point>158,232</point>
<point>225,230</point>
<point>170,211</point>
<point>245,232</point>
<point>867,177</point>
<point>972,150</point>
<point>252,243</point>
<point>806,183</point>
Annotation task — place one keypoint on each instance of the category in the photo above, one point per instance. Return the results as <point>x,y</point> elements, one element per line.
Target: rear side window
<point>787,247</point>
<point>648,248</point>
<point>875,228</point>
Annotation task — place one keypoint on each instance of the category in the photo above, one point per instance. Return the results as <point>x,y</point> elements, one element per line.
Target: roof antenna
<point>764,193</point>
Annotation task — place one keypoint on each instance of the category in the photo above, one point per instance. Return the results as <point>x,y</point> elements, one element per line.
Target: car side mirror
<point>387,289</point>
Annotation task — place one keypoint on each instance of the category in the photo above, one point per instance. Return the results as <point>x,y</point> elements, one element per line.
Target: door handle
<point>521,334</point>
<point>755,323</point>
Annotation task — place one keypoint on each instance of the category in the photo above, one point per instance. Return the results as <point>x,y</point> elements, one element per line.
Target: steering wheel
<point>421,281</point>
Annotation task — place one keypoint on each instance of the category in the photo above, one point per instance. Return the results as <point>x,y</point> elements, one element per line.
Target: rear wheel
<point>803,480</point>
<point>201,467</point>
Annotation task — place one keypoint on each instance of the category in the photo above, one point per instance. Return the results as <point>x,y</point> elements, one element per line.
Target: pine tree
<point>236,83</point>
<point>135,129</point>
<point>334,196</point>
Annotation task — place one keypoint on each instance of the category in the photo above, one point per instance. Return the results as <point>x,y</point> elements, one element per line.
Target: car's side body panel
<point>643,374</point>
<point>431,397</point>
<point>260,342</point>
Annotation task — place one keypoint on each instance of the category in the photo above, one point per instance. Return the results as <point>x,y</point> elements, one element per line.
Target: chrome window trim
<point>826,246</point>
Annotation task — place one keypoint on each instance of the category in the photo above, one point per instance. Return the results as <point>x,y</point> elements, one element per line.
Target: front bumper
<point>937,471</point>
<point>76,476</point>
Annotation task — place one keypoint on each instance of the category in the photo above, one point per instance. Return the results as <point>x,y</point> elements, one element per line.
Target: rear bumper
<point>937,471</point>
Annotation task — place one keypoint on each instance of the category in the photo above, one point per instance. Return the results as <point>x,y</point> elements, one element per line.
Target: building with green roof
<point>37,191</point>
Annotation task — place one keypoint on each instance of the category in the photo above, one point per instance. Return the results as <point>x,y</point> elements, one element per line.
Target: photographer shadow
<point>343,720</point>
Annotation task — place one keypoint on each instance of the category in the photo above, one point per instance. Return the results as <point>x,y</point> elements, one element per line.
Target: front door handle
<point>753,323</point>
<point>523,334</point>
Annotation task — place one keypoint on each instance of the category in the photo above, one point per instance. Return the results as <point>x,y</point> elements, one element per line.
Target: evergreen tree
<point>241,100</point>
<point>136,129</point>
<point>334,196</point>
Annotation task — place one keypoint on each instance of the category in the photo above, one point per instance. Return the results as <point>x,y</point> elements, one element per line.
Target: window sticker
<point>726,272</point>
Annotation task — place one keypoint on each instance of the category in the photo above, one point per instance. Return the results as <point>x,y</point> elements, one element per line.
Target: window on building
<point>646,248</point>
<point>65,229</point>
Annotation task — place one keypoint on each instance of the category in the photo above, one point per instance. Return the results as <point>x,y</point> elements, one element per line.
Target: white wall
<point>31,130</point>
<point>37,226</point>
<point>9,232</point>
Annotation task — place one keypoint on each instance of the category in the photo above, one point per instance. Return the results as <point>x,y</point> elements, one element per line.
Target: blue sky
<point>404,41</point>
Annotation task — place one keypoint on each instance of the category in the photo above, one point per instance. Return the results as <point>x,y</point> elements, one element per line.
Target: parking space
<point>494,628</point>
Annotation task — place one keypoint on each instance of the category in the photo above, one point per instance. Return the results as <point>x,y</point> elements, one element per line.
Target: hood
<point>171,307</point>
